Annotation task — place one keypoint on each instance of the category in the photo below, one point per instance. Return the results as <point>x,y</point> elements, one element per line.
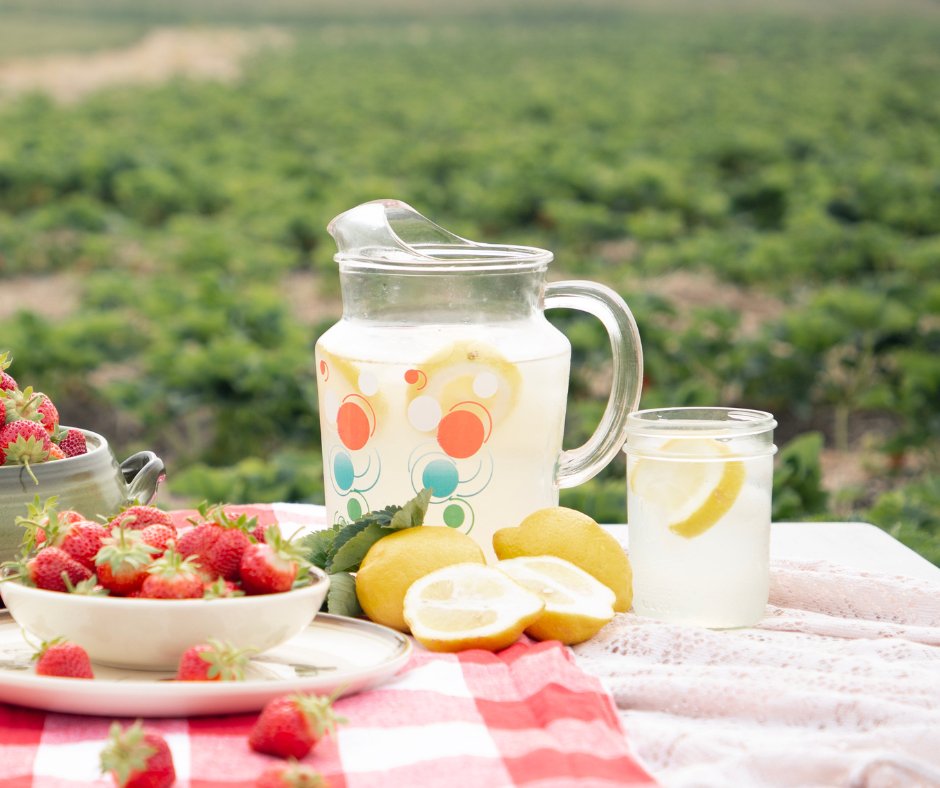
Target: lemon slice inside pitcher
<point>695,495</point>
<point>468,371</point>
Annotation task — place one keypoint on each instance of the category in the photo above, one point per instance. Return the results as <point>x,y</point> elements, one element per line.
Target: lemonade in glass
<point>698,507</point>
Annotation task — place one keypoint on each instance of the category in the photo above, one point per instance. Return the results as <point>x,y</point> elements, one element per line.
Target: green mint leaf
<point>348,557</point>
<point>341,598</point>
<point>318,546</point>
<point>346,532</point>
<point>413,512</point>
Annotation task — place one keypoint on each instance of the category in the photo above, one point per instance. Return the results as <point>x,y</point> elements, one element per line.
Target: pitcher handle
<point>578,465</point>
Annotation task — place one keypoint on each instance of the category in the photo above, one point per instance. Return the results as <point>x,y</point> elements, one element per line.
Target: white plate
<point>333,653</point>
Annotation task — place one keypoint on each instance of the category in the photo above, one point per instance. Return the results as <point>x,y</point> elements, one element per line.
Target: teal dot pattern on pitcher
<point>343,471</point>
<point>441,476</point>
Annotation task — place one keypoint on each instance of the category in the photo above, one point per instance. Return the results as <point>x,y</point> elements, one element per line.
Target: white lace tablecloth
<point>839,685</point>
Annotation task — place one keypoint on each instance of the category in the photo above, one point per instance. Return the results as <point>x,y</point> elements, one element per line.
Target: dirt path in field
<point>164,53</point>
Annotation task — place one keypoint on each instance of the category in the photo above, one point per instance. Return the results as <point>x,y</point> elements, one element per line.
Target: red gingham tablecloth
<point>525,716</point>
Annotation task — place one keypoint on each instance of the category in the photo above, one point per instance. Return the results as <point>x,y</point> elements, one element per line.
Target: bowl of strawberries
<point>140,589</point>
<point>40,456</point>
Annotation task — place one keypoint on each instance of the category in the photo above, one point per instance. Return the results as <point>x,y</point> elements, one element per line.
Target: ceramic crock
<point>93,484</point>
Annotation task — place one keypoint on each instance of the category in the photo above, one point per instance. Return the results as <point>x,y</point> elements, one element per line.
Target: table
<point>839,685</point>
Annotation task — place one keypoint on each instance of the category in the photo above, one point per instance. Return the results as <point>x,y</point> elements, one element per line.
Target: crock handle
<point>143,473</point>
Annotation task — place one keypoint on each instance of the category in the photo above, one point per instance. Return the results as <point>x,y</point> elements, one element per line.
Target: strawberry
<point>69,516</point>
<point>23,442</point>
<point>137,758</point>
<point>258,534</point>
<point>272,567</point>
<point>290,775</point>
<point>221,589</point>
<point>122,563</point>
<point>212,661</point>
<point>48,414</point>
<point>53,569</point>
<point>32,406</point>
<point>82,540</point>
<point>224,557</point>
<point>39,519</point>
<point>60,657</point>
<point>3,410</point>
<point>290,725</point>
<point>197,541</point>
<point>136,518</point>
<point>218,543</point>
<point>172,577</point>
<point>55,453</point>
<point>74,443</point>
<point>158,536</point>
<point>7,383</point>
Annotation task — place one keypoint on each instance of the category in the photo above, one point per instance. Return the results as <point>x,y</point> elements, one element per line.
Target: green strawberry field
<point>760,181</point>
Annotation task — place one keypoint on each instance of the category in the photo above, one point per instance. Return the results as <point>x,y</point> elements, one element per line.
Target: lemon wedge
<point>694,495</point>
<point>577,605</point>
<point>394,562</point>
<point>469,606</point>
<point>572,535</point>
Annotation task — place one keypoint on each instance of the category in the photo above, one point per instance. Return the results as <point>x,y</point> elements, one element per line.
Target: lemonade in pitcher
<point>444,373</point>
<point>403,409</point>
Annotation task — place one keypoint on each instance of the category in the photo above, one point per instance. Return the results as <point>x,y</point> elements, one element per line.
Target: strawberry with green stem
<point>82,540</point>
<point>214,660</point>
<point>137,758</point>
<point>32,406</point>
<point>122,563</point>
<point>172,577</point>
<point>218,542</point>
<point>158,536</point>
<point>138,517</point>
<point>73,443</point>
<point>41,518</point>
<point>62,658</point>
<point>271,567</point>
<point>7,383</point>
<point>290,775</point>
<point>51,569</point>
<point>24,442</point>
<point>289,726</point>
<point>220,588</point>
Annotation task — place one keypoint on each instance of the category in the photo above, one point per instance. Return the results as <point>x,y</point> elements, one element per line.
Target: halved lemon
<point>577,605</point>
<point>694,494</point>
<point>469,606</point>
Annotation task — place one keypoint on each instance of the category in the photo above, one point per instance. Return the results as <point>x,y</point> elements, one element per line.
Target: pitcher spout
<point>390,233</point>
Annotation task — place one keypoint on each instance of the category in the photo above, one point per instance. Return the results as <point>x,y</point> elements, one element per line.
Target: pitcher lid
<point>390,234</point>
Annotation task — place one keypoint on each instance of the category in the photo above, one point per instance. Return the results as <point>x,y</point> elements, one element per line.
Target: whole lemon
<point>574,536</point>
<point>394,562</point>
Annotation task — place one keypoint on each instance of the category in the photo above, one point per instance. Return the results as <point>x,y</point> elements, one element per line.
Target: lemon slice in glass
<point>693,494</point>
<point>577,605</point>
<point>469,606</point>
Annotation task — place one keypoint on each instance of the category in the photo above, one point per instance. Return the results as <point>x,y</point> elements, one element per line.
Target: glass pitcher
<point>444,373</point>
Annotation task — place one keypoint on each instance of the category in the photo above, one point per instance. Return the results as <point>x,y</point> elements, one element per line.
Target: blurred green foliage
<point>786,148</point>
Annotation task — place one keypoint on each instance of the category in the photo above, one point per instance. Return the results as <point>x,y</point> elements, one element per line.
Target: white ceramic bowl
<point>153,633</point>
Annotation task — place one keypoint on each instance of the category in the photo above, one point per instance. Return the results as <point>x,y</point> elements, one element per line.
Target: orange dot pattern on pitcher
<point>462,433</point>
<point>413,376</point>
<point>353,423</point>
